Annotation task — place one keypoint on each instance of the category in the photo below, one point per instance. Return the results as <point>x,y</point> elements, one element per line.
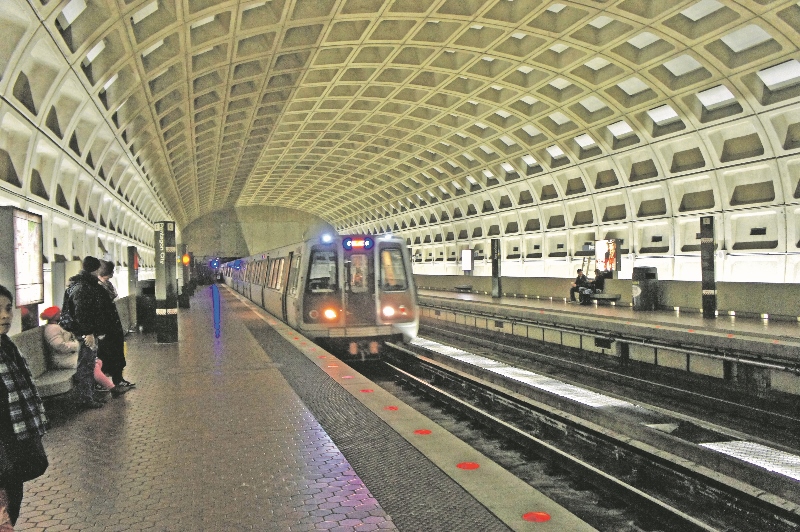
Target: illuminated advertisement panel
<point>606,255</point>
<point>466,260</point>
<point>28,267</point>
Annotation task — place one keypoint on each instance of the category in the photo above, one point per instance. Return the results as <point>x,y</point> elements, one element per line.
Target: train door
<point>359,271</point>
<point>285,287</point>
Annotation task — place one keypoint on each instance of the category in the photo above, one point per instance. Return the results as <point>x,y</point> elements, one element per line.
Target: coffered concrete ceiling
<point>366,111</point>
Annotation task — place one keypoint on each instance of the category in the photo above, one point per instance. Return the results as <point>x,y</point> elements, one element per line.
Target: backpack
<point>67,321</point>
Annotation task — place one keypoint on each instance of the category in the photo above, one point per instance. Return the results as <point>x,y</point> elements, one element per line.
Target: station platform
<point>775,341</point>
<point>259,429</point>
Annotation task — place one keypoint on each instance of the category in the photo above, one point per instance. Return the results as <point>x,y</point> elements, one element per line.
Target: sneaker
<point>125,384</point>
<point>118,390</point>
<point>92,404</point>
<point>99,388</point>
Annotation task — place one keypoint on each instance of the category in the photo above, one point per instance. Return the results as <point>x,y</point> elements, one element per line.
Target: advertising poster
<point>29,279</point>
<point>605,253</point>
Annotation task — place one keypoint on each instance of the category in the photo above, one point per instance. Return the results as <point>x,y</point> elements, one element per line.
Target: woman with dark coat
<point>22,421</point>
<point>112,346</point>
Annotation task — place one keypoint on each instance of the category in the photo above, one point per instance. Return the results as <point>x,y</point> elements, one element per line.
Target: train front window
<point>322,271</point>
<point>360,274</point>
<point>393,273</point>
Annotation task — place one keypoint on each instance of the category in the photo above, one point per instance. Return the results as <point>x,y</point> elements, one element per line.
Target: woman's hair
<point>5,292</point>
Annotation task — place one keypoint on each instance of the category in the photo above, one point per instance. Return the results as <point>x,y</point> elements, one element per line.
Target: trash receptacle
<point>645,288</point>
<point>146,305</point>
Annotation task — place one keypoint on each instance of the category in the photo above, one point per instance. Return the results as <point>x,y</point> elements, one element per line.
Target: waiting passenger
<point>111,349</point>
<point>64,350</point>
<point>62,344</point>
<point>599,282</point>
<point>84,302</point>
<point>22,421</point>
<point>581,281</point>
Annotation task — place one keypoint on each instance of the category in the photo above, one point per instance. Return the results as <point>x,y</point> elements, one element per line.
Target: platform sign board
<point>21,259</point>
<point>707,250</point>
<point>166,283</point>
<point>133,269</point>
<point>497,289</point>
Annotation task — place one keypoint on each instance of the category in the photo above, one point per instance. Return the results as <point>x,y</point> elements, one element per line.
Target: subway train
<point>350,293</point>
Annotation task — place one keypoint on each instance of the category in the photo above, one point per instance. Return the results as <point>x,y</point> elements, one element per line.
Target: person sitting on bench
<point>581,281</point>
<point>599,282</point>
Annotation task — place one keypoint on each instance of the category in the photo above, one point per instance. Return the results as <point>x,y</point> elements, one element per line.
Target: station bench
<point>608,298</point>
<point>49,378</point>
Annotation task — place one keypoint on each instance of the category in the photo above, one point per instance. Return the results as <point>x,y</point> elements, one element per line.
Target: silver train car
<point>350,292</point>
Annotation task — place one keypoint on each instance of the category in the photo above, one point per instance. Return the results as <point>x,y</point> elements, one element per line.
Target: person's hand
<point>90,341</point>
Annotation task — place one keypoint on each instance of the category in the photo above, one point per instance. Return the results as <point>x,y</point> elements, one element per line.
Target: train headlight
<point>388,312</point>
<point>329,314</point>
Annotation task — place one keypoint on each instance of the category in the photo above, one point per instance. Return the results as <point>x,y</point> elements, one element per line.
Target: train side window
<point>393,273</point>
<point>279,277</point>
<point>273,270</point>
<point>322,271</point>
<point>294,271</point>
<point>262,278</point>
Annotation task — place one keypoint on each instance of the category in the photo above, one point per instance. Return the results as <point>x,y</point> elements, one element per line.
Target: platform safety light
<point>185,259</point>
<point>351,243</point>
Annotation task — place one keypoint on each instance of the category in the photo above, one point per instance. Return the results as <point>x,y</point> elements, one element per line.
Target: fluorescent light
<point>145,12</point>
<point>643,40</point>
<point>597,63</point>
<point>620,129</point>
<point>110,82</point>
<point>585,141</point>
<point>780,76</point>
<point>745,38</point>
<point>70,12</point>
<point>663,115</point>
<point>559,118</point>
<point>152,48</point>
<point>593,104</point>
<point>202,22</point>
<point>507,140</point>
<point>682,65</point>
<point>633,86</point>
<point>530,130</point>
<point>555,152</point>
<point>601,22</point>
<point>716,97</point>
<point>94,52</point>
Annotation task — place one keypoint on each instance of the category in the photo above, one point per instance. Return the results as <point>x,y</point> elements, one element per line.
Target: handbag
<point>23,460</point>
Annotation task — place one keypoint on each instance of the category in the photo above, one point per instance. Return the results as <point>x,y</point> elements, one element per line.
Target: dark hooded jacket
<point>86,304</point>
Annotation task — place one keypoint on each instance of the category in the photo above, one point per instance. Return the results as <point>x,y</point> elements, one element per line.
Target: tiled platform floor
<point>212,438</point>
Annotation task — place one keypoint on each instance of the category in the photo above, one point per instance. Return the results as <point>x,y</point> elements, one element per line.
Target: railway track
<point>775,420</point>
<point>611,479</point>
